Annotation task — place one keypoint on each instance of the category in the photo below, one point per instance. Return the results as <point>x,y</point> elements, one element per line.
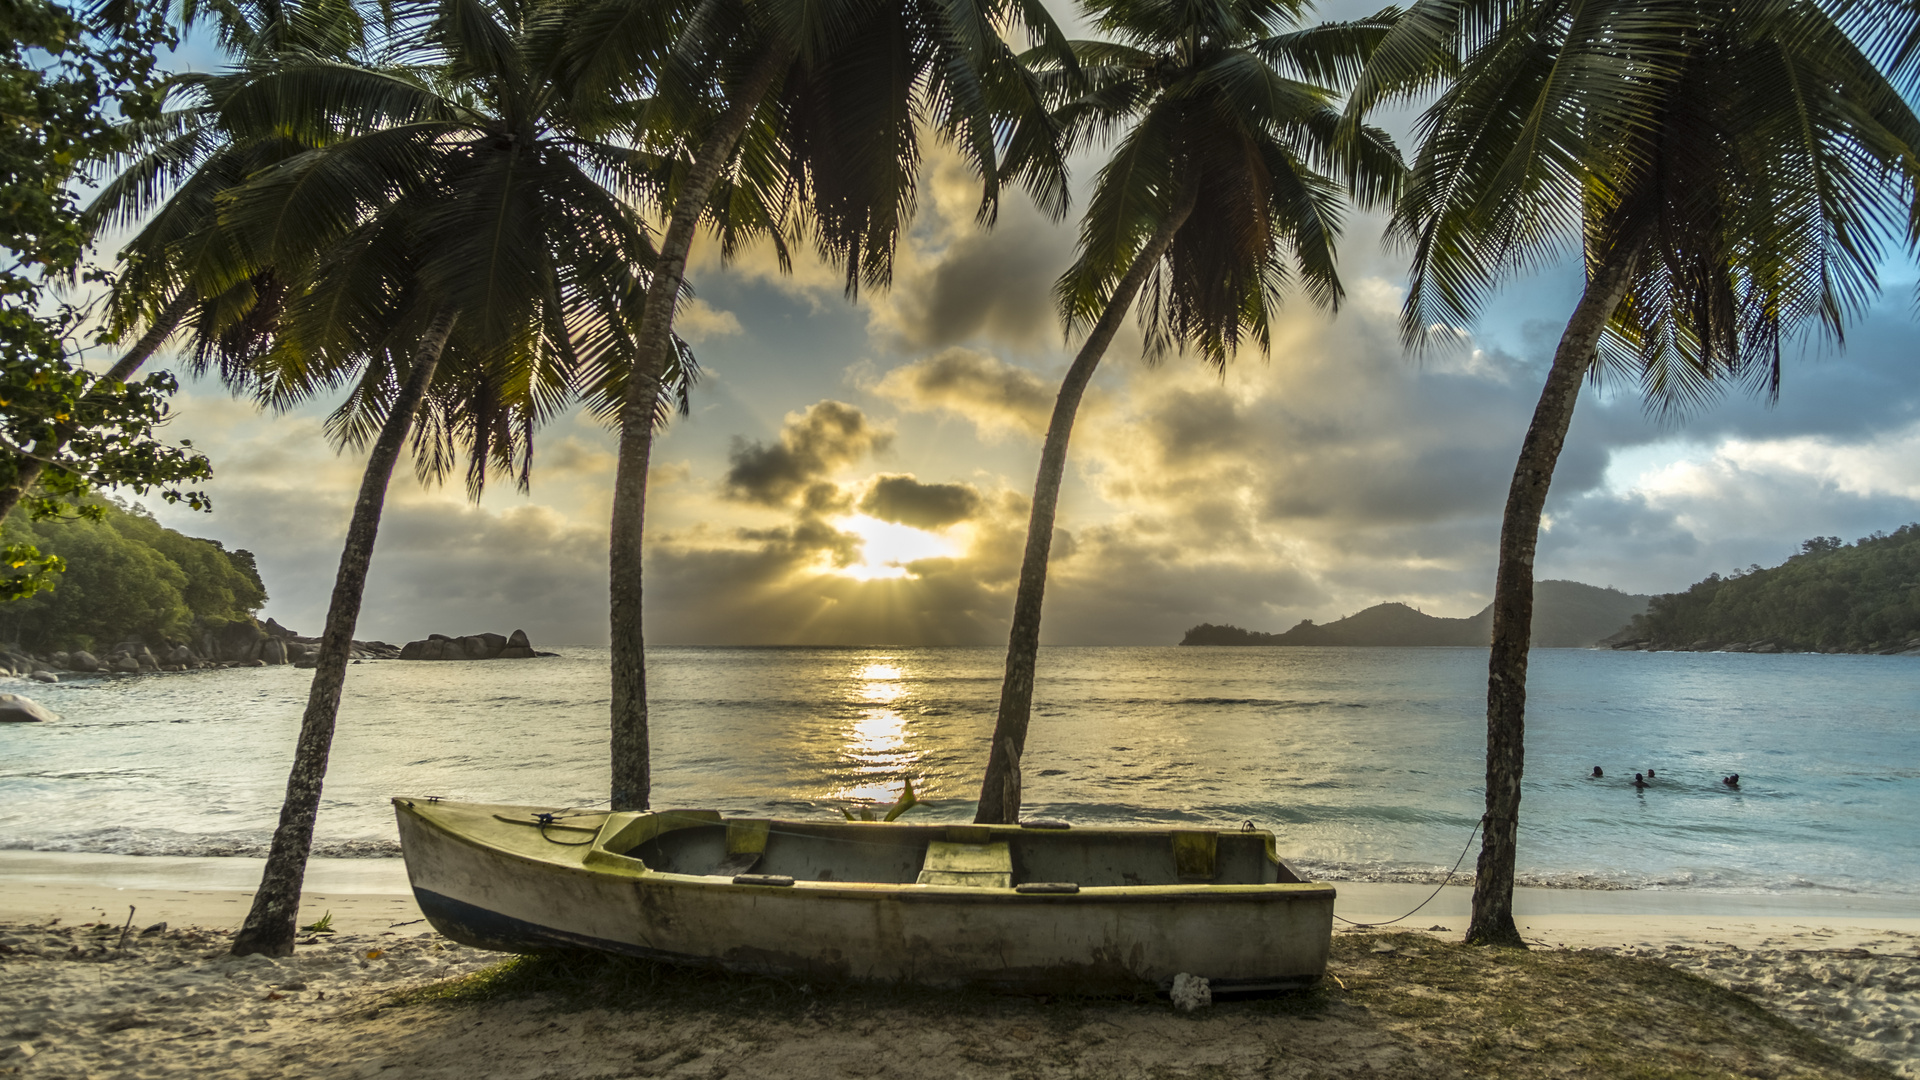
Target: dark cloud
<point>906,501</point>
<point>827,436</point>
<point>995,285</point>
<point>804,543</point>
<point>995,395</point>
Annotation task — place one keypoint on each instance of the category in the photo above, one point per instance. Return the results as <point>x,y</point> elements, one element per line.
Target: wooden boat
<point>1039,907</point>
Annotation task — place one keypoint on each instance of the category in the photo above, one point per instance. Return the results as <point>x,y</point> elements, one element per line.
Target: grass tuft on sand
<point>1396,1005</point>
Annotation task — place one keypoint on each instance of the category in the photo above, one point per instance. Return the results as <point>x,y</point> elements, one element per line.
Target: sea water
<point>1367,763</point>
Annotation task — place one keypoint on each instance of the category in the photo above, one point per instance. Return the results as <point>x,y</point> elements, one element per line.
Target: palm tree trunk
<point>271,924</point>
<point>27,469</point>
<point>631,742</point>
<point>1000,788</point>
<point>1492,922</point>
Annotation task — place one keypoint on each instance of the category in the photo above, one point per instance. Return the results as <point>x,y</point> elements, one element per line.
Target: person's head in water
<point>1649,774</point>
<point>1597,773</point>
<point>1639,781</point>
<point>1732,781</point>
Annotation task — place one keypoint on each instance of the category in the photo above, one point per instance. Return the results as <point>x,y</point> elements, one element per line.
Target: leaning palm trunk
<point>631,742</point>
<point>272,921</point>
<point>27,469</point>
<point>1000,790</point>
<point>1513,597</point>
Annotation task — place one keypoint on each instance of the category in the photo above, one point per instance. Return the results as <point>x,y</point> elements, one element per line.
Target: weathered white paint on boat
<point>496,877</point>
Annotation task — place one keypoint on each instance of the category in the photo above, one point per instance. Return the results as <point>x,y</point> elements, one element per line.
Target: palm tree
<point>1730,173</point>
<point>456,231</point>
<point>1225,191</point>
<point>819,103</point>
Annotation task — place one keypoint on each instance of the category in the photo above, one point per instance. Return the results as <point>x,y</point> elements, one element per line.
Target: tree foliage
<point>128,577</point>
<point>1749,163</point>
<point>63,85</point>
<point>1233,104</point>
<point>1846,597</point>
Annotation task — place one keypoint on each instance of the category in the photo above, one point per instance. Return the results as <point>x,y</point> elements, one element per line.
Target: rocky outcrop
<point>15,709</point>
<point>515,646</point>
<point>518,647</point>
<point>236,644</point>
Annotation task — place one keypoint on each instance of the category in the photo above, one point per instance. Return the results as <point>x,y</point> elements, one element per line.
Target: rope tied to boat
<point>1475,831</point>
<point>548,820</point>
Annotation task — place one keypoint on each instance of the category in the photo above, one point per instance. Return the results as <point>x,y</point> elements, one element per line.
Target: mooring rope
<point>1475,831</point>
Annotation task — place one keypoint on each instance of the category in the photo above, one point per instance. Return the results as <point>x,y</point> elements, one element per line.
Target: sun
<point>886,548</point>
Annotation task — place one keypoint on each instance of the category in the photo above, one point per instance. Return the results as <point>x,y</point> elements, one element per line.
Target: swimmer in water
<point>1732,781</point>
<point>1597,774</point>
<point>1639,781</point>
<point>1649,774</point>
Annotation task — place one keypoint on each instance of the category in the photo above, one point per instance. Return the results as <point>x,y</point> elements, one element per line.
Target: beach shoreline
<point>372,895</point>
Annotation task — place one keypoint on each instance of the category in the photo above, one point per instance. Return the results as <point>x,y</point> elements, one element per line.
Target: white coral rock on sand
<point>1190,992</point>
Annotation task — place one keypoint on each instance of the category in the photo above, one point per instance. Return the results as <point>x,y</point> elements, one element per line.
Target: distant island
<point>1567,615</point>
<point>1862,597</point>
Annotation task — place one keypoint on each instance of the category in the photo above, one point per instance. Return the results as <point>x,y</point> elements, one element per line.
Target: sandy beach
<point>78,1004</point>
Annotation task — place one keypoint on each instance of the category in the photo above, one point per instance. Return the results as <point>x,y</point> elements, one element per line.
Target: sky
<point>859,472</point>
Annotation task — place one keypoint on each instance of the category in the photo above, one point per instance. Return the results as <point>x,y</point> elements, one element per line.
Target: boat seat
<point>1196,855</point>
<point>979,866</point>
<point>746,844</point>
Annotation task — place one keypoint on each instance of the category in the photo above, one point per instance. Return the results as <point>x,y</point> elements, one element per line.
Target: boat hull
<point>553,887</point>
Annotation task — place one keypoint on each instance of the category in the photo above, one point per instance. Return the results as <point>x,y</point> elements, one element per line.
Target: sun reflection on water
<point>875,751</point>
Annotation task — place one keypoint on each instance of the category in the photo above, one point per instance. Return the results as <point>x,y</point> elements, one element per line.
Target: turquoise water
<point>1366,762</point>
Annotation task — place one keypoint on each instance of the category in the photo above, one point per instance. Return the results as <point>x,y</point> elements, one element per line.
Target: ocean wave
<point>162,842</point>
<point>1231,702</point>
<point>1400,874</point>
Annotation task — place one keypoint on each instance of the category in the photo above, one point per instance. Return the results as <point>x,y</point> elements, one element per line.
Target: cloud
<point>696,321</point>
<point>827,436</point>
<point>997,397</point>
<point>571,455</point>
<point>971,285</point>
<point>907,501</point>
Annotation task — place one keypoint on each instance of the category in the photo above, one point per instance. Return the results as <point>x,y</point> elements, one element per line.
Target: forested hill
<point>1831,597</point>
<point>128,578</point>
<point>1567,614</point>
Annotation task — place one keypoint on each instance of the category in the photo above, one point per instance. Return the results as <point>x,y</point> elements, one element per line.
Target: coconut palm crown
<point>1230,104</point>
<point>1731,174</point>
<point>455,247</point>
<point>1226,189</point>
